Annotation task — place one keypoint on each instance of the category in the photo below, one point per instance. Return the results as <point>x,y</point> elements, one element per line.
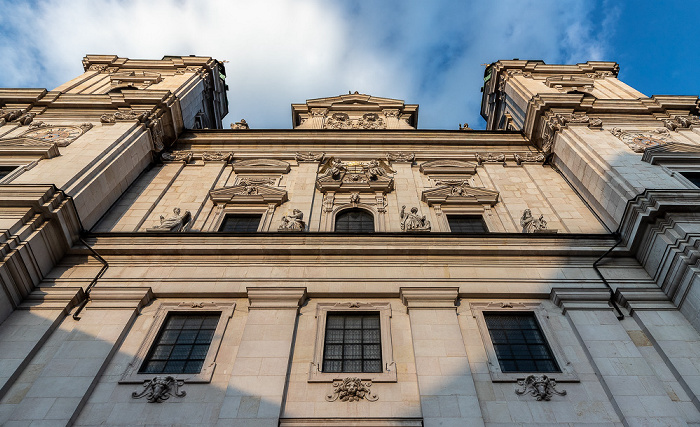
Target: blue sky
<point>429,53</point>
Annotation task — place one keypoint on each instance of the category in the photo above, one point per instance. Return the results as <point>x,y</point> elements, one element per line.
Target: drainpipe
<point>620,316</point>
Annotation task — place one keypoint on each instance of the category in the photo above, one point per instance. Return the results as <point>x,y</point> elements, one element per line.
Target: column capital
<point>432,298</point>
<point>276,298</point>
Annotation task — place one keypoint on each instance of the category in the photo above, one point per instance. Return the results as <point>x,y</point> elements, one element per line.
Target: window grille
<point>352,343</point>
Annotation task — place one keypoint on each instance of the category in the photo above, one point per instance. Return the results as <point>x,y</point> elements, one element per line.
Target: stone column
<point>53,388</point>
<point>447,392</point>
<point>257,385</point>
<point>634,389</point>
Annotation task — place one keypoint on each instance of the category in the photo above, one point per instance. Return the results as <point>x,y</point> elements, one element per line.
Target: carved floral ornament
<point>352,390</point>
<point>639,140</point>
<point>160,389</point>
<point>343,121</point>
<point>540,386</point>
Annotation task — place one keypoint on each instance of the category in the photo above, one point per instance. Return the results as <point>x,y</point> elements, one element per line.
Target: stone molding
<point>581,299</point>
<point>460,195</point>
<point>113,298</point>
<point>249,194</point>
<point>649,299</point>
<point>54,298</point>
<point>261,166</point>
<point>355,422</point>
<point>276,298</point>
<point>672,152</point>
<point>429,298</point>
<point>28,147</point>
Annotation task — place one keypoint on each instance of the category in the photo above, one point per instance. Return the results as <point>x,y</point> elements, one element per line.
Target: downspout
<point>620,316</point>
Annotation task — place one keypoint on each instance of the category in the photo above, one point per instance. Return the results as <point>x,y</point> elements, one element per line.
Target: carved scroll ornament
<point>160,389</point>
<point>490,158</point>
<point>309,157</point>
<point>540,386</point>
<point>401,157</point>
<point>352,390</point>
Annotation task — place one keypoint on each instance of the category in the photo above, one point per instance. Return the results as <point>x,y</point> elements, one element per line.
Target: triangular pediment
<point>460,195</point>
<point>27,146</point>
<point>261,166</point>
<point>671,152</point>
<point>248,194</point>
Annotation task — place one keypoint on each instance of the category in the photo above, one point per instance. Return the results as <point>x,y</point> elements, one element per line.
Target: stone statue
<point>374,170</point>
<point>293,222</point>
<point>176,222</point>
<point>413,221</point>
<point>530,224</point>
<point>337,167</point>
<point>464,127</point>
<point>242,125</point>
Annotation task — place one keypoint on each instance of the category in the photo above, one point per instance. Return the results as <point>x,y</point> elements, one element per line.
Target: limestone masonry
<point>354,270</point>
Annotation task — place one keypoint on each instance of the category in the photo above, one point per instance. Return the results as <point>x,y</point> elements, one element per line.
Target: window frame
<point>388,373</point>
<point>487,213</point>
<point>247,214</point>
<point>348,210</point>
<point>132,374</point>
<point>265,213</point>
<point>567,373</point>
<point>474,215</point>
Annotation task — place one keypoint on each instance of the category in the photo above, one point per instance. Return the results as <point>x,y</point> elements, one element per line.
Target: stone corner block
<point>444,298</point>
<point>276,298</point>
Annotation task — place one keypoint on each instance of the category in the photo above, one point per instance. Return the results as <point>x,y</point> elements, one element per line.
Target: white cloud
<point>288,51</point>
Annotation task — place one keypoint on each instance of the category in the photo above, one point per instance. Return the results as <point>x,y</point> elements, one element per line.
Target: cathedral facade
<point>354,270</point>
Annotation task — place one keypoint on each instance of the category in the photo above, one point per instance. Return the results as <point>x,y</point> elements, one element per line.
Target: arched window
<point>354,221</point>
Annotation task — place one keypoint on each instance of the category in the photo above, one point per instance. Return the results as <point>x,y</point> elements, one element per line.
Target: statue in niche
<point>293,222</point>
<point>531,224</point>
<point>176,222</point>
<point>413,221</point>
<point>374,170</point>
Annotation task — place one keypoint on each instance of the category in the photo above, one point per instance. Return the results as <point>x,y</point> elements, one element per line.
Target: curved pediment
<point>261,166</point>
<point>248,194</point>
<point>460,195</point>
<point>448,167</point>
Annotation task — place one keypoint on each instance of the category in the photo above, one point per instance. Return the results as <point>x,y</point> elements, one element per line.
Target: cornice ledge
<point>119,298</point>
<point>429,298</point>
<point>637,299</point>
<point>581,299</point>
<point>276,298</point>
<point>52,299</point>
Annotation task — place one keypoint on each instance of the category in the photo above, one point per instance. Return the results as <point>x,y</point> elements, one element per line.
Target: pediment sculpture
<point>248,193</point>
<point>459,194</point>
<point>337,175</point>
<point>176,222</point>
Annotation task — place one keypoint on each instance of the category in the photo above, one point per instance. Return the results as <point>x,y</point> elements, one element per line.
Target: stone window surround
<point>567,373</point>
<point>485,211</point>
<point>388,363</point>
<point>265,212</point>
<point>341,201</point>
<point>132,375</point>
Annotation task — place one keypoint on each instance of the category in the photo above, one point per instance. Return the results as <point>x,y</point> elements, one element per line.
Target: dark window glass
<point>354,221</point>
<point>519,343</point>
<point>5,170</point>
<point>181,345</point>
<point>693,177</point>
<point>240,223</point>
<point>352,343</point>
<point>467,224</point>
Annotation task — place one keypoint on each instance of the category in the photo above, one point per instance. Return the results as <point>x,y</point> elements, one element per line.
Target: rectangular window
<point>352,343</point>
<point>182,344</point>
<point>693,177</point>
<point>519,343</point>
<point>467,224</point>
<point>240,223</point>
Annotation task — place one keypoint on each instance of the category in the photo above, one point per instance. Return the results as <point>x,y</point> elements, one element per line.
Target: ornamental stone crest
<point>293,222</point>
<point>160,389</point>
<point>351,390</point>
<point>639,141</point>
<point>413,221</point>
<point>490,158</point>
<point>309,157</point>
<point>401,157</point>
<point>141,116</point>
<point>540,386</point>
<point>174,223</point>
<point>528,158</point>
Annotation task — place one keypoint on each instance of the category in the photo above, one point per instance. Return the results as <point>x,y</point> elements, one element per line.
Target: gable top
<point>313,114</point>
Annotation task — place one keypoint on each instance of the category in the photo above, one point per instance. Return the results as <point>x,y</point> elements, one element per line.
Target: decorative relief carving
<point>177,156</point>
<point>97,67</point>
<point>309,157</point>
<point>217,157</point>
<point>540,386</point>
<point>174,223</point>
<point>392,113</point>
<point>141,116</point>
<point>248,194</point>
<point>160,389</point>
<point>373,175</point>
<point>355,199</point>
<point>401,157</point>
<point>490,158</point>
<point>413,221</point>
<point>528,158</point>
<point>26,119</point>
<point>242,125</point>
<point>601,74</point>
<point>293,222</point>
<point>459,194</point>
<point>352,390</point>
<point>639,141</point>
<point>157,134</point>
<point>343,121</point>
<point>245,190</point>
<point>595,123</point>
<point>257,180</point>
<point>531,224</point>
<point>133,78</point>
<point>681,122</point>
<point>62,136</point>
<point>7,116</point>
